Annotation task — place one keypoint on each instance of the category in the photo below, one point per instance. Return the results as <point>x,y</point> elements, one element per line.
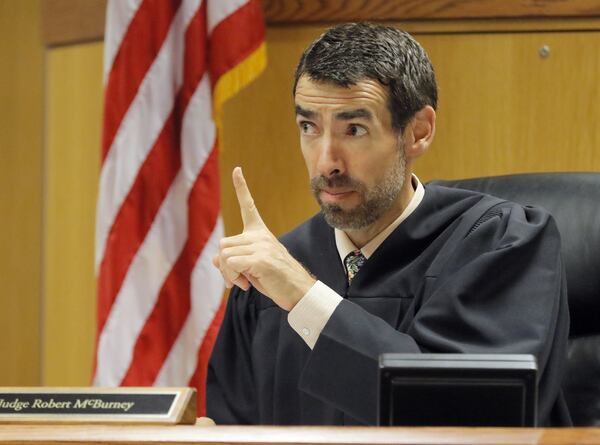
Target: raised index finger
<point>250,216</point>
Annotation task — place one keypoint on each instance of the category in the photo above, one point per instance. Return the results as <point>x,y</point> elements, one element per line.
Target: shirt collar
<point>345,245</point>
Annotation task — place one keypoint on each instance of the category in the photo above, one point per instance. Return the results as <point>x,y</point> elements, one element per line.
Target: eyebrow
<point>342,115</point>
<point>308,114</point>
<point>354,114</point>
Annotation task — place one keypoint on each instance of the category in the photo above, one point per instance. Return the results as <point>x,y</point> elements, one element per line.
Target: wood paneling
<point>505,109</point>
<point>306,11</point>
<point>75,21</point>
<point>72,21</point>
<point>74,117</point>
<point>21,124</point>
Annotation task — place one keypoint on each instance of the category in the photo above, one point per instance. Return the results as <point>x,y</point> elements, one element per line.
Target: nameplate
<point>98,405</point>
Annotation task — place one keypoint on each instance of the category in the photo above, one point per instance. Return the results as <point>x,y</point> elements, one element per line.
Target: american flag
<point>168,67</point>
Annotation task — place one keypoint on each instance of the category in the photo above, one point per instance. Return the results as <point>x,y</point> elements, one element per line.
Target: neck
<point>361,237</point>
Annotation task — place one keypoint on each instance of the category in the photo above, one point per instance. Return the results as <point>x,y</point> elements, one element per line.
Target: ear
<point>419,132</point>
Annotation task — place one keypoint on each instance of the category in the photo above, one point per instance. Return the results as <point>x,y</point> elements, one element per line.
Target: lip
<point>334,195</point>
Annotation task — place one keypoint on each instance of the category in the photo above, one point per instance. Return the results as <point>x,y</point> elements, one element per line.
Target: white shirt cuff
<point>311,313</point>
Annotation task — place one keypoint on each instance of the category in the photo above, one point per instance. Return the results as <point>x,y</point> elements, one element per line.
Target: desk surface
<point>254,435</point>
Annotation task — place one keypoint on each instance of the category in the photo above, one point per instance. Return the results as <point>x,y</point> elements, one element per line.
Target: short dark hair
<point>349,53</point>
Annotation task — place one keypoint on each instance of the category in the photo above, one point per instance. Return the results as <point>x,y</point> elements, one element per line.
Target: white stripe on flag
<point>141,126</point>
<point>198,131</point>
<point>145,277</point>
<point>119,14</point>
<point>159,251</point>
<point>207,289</point>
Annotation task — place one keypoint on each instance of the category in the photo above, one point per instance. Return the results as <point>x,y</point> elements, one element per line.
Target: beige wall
<point>503,109</point>
<point>21,125</point>
<point>73,115</point>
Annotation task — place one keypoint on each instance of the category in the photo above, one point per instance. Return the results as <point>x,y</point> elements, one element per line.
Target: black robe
<point>464,273</point>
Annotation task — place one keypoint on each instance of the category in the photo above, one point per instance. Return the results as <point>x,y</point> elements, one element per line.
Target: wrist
<point>299,288</point>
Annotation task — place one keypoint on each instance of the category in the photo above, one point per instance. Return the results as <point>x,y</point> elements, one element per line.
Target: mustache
<point>320,182</point>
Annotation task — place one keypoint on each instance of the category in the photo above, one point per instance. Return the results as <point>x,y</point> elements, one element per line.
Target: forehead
<point>317,95</point>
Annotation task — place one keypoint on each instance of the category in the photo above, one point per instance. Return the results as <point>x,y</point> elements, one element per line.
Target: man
<point>388,265</point>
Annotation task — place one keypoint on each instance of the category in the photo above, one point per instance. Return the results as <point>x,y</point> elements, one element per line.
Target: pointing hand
<point>255,257</point>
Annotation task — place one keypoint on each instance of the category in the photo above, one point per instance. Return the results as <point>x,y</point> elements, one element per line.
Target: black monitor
<point>457,390</point>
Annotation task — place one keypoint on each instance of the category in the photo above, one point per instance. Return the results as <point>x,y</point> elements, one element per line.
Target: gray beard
<point>374,202</point>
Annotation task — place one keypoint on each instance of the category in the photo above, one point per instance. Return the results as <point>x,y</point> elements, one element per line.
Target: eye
<point>356,130</point>
<point>307,127</point>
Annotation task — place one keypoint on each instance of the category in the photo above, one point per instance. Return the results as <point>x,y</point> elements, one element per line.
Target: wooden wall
<point>21,158</point>
<point>503,109</point>
<point>75,21</point>
<point>73,116</point>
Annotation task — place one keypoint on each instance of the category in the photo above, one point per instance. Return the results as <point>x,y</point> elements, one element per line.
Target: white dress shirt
<point>311,313</point>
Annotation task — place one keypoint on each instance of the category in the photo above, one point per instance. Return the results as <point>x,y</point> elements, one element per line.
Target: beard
<point>374,202</point>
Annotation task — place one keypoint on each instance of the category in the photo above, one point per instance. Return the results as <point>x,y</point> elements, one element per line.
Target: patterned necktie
<point>353,262</point>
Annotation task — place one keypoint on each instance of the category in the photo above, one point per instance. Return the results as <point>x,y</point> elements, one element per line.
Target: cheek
<point>372,168</point>
<point>367,172</point>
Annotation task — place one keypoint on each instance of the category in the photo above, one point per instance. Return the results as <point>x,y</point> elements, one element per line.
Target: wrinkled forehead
<point>321,95</point>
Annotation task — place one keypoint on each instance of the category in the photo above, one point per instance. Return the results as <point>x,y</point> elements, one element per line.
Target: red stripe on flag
<point>154,179</point>
<point>235,38</point>
<point>198,380</point>
<point>139,47</point>
<point>173,305</point>
<point>136,215</point>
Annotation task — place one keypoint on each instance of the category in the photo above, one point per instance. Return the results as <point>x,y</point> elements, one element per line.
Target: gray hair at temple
<point>349,53</point>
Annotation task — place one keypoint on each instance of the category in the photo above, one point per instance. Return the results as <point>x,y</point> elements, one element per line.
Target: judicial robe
<point>464,273</point>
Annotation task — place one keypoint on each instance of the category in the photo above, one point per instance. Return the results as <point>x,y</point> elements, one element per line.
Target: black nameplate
<point>150,405</point>
<point>86,403</point>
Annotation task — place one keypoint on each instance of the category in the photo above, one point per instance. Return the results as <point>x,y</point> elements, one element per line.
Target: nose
<point>330,157</point>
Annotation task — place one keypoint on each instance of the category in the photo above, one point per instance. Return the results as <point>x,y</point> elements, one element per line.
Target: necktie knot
<point>353,262</point>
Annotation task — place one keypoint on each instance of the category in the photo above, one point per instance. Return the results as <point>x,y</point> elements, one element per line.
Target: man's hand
<point>255,257</point>
<point>204,421</point>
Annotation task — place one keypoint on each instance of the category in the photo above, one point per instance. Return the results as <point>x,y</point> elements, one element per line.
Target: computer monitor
<point>457,390</point>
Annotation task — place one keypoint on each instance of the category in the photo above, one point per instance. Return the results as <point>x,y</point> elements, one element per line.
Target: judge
<point>387,265</point>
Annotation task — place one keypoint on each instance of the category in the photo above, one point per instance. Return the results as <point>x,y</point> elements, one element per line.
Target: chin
<point>341,219</point>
